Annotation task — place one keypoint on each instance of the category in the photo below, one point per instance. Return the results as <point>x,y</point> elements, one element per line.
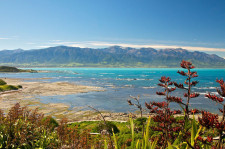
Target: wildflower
<point>214,98</point>
<point>208,119</point>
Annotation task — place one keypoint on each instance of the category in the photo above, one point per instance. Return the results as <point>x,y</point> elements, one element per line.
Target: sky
<point>195,25</point>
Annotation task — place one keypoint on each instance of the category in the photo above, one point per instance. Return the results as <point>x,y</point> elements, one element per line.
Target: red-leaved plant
<point>164,116</point>
<point>210,120</point>
<point>187,86</point>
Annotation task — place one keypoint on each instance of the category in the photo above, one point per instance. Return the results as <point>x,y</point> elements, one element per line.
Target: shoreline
<point>30,94</point>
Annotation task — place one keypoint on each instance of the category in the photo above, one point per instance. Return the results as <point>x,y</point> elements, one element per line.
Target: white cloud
<point>55,40</point>
<point>1,38</point>
<point>44,46</point>
<point>99,44</point>
<point>30,43</point>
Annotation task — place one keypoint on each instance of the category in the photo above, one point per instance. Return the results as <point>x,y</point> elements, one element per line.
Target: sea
<point>121,83</point>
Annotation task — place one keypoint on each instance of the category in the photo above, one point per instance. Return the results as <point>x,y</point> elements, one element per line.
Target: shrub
<point>50,122</point>
<point>139,121</point>
<point>109,126</point>
<point>19,86</point>
<point>2,82</point>
<point>9,87</point>
<point>23,128</point>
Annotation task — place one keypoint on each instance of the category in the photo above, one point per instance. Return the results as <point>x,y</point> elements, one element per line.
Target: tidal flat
<point>27,96</point>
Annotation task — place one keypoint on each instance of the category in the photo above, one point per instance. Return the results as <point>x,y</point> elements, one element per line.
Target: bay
<point>120,83</point>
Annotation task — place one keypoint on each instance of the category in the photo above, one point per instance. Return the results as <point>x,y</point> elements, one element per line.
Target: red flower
<point>194,95</point>
<point>222,91</point>
<point>171,83</point>
<point>177,112</point>
<point>209,139</point>
<point>160,93</point>
<point>174,99</point>
<point>148,106</point>
<point>160,84</point>
<point>194,111</point>
<point>193,74</point>
<point>221,110</point>
<point>214,98</point>
<point>200,138</point>
<point>172,89</point>
<point>194,83</point>
<point>160,104</point>
<point>176,129</point>
<point>164,79</point>
<point>179,85</point>
<point>220,125</point>
<point>182,73</point>
<point>186,65</point>
<point>208,119</point>
<point>221,82</point>
<point>204,141</point>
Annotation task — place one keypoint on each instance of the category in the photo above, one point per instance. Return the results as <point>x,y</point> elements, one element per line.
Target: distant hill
<point>115,56</point>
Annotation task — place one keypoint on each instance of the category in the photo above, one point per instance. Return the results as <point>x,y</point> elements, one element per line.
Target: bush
<point>109,126</point>
<point>140,121</point>
<point>2,82</point>
<point>50,122</point>
<point>19,86</point>
<point>9,87</point>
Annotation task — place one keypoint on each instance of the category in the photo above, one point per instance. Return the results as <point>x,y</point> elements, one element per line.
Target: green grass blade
<point>170,146</point>
<point>146,136</point>
<point>115,141</point>
<point>132,132</point>
<point>153,145</point>
<point>178,139</point>
<point>105,145</point>
<point>143,143</point>
<point>193,131</point>
<point>137,144</point>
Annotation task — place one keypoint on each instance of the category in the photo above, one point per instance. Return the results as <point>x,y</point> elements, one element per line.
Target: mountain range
<point>115,56</point>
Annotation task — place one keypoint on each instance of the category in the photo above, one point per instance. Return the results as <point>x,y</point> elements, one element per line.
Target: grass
<point>8,87</point>
<point>2,82</point>
<point>5,87</point>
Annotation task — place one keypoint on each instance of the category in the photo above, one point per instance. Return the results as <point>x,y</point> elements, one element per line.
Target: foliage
<point>138,105</point>
<point>8,87</point>
<point>2,82</point>
<point>23,128</point>
<point>5,87</point>
<point>19,86</point>
<point>50,122</point>
<point>108,126</point>
<point>189,75</point>
<point>167,124</point>
<point>210,120</point>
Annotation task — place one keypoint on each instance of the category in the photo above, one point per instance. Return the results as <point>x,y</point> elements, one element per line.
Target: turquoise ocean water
<point>120,83</point>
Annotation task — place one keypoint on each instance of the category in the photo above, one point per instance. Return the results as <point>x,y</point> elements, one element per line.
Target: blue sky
<point>190,24</point>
